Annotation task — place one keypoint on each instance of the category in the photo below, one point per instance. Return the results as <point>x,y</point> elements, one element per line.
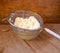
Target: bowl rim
<point>21,29</point>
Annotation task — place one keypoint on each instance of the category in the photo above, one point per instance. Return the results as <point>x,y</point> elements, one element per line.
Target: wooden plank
<point>44,43</point>
<point>53,40</point>
<point>12,44</point>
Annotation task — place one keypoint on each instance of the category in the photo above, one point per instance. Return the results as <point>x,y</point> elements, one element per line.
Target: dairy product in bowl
<point>29,23</point>
<point>26,24</point>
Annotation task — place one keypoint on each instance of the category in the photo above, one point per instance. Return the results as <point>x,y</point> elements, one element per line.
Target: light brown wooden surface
<point>44,43</point>
<point>48,9</point>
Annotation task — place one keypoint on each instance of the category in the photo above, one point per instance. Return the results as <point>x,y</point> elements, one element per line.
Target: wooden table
<point>44,43</point>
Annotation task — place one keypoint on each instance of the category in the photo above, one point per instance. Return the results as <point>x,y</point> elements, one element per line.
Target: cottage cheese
<point>27,23</point>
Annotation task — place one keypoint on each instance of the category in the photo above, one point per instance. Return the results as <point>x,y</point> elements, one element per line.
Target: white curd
<point>27,23</point>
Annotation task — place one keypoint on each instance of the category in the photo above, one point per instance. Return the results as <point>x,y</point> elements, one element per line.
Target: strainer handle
<point>52,33</point>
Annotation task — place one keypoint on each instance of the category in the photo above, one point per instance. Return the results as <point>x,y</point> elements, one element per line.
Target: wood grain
<point>48,9</point>
<point>44,43</point>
